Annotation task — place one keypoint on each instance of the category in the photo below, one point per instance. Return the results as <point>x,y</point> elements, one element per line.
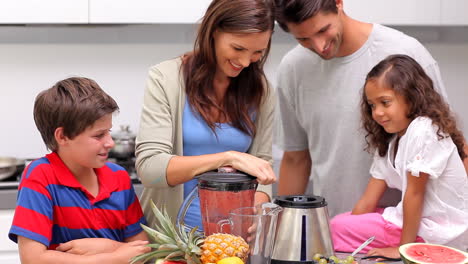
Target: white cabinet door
<point>43,11</point>
<point>454,12</point>
<point>147,11</point>
<point>395,12</point>
<point>8,249</point>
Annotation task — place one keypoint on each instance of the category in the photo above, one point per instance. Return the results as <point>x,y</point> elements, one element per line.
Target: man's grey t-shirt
<point>319,110</point>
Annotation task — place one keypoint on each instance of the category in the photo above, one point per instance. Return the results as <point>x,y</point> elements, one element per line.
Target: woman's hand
<point>257,167</point>
<point>391,252</point>
<point>89,246</point>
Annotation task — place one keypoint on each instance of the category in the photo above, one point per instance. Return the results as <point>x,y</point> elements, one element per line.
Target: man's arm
<point>294,172</point>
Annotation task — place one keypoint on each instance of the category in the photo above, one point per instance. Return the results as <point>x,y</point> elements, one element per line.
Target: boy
<point>73,206</point>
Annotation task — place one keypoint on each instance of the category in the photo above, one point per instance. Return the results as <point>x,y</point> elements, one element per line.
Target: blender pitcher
<point>219,193</point>
<point>257,226</point>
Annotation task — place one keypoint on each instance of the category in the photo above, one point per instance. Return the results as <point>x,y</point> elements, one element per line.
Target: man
<point>319,89</point>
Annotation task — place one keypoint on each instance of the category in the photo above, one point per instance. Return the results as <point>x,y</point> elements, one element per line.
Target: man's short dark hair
<point>74,104</point>
<point>297,11</point>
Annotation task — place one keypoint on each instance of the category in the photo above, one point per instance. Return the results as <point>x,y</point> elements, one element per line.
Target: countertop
<point>365,261</point>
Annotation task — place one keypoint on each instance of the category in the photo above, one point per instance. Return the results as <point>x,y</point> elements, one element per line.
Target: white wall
<point>33,58</point>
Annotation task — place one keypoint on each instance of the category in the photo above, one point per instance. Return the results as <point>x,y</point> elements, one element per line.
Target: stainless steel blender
<point>302,230</point>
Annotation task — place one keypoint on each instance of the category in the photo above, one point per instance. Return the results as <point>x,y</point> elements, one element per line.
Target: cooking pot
<point>124,141</point>
<point>9,166</point>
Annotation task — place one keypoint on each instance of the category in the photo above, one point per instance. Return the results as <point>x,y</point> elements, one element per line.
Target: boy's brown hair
<point>74,104</point>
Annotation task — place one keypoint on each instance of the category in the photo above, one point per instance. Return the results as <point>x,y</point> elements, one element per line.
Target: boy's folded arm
<point>89,246</point>
<point>34,252</point>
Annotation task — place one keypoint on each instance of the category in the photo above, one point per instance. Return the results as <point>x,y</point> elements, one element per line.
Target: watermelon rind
<point>410,260</point>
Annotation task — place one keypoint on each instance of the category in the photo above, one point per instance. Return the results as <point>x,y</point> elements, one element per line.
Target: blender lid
<point>226,177</point>
<point>300,201</point>
<point>226,181</point>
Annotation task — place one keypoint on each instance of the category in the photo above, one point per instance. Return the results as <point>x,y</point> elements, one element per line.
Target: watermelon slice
<point>423,253</point>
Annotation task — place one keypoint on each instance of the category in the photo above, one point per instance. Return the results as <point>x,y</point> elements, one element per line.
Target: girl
<point>418,150</point>
<point>209,108</point>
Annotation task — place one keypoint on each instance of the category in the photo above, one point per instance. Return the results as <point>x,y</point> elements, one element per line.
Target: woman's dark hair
<point>74,104</point>
<point>297,11</point>
<point>245,92</point>
<point>408,79</point>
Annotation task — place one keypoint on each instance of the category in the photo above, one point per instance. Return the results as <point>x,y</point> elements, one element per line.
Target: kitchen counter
<point>365,261</point>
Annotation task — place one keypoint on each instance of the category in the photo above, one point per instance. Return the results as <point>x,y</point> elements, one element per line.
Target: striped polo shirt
<point>53,207</point>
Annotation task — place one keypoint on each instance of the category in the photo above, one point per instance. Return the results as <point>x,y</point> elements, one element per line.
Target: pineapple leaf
<point>143,257</point>
<point>175,255</point>
<point>155,246</point>
<point>164,220</point>
<point>168,247</point>
<point>181,245</point>
<point>192,259</point>
<point>197,250</point>
<point>156,236</point>
<point>153,254</point>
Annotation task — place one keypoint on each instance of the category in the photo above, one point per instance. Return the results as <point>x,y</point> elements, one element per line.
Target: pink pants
<point>350,231</point>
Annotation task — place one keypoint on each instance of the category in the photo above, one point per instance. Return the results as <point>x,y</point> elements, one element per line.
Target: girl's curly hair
<point>407,78</point>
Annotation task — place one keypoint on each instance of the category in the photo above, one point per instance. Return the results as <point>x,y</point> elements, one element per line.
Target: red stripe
<point>36,186</point>
<point>33,221</point>
<point>78,218</point>
<point>134,212</point>
<point>53,246</point>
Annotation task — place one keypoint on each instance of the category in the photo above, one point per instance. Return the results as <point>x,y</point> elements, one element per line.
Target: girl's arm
<point>370,198</point>
<point>413,202</point>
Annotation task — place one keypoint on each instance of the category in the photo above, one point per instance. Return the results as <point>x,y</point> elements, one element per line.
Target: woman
<point>210,108</point>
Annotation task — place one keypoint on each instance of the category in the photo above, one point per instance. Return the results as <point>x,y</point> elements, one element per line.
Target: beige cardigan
<point>160,136</point>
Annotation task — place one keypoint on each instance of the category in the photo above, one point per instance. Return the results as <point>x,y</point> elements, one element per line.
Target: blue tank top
<point>199,139</point>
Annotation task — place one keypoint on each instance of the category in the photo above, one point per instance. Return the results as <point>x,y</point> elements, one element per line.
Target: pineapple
<point>175,244</point>
<point>219,246</point>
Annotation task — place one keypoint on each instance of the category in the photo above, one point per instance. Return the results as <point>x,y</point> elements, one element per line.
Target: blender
<point>219,193</point>
<point>302,230</point>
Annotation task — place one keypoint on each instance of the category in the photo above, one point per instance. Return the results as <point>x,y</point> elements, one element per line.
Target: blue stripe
<point>135,228</point>
<point>64,234</point>
<point>36,163</point>
<point>64,196</point>
<point>117,201</point>
<point>16,231</point>
<point>36,201</point>
<point>114,167</point>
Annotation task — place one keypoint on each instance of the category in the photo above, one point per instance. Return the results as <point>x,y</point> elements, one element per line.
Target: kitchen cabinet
<point>397,12</point>
<point>454,12</point>
<point>147,11</point>
<point>8,249</point>
<point>43,11</point>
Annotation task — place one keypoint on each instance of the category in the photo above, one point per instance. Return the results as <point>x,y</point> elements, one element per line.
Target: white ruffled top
<point>445,211</point>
